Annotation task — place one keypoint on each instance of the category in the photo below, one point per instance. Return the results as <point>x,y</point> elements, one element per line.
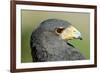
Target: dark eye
<point>59,30</point>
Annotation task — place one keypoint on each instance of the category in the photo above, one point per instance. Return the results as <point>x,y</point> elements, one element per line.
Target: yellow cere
<point>70,33</point>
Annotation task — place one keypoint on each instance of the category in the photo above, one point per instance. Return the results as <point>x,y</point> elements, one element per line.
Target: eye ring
<point>59,30</point>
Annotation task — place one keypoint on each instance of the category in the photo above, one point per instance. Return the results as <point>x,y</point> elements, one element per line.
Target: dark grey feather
<point>47,46</point>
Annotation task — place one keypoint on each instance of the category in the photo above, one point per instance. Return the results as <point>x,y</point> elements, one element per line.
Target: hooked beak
<point>80,38</point>
<point>70,33</point>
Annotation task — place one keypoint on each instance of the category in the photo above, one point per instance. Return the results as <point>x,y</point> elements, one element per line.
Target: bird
<point>50,42</point>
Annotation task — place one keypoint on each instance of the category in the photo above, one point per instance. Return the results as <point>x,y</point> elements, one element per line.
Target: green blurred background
<point>30,20</point>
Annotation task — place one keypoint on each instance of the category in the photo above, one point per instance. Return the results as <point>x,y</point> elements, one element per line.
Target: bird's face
<point>68,33</point>
<point>62,28</point>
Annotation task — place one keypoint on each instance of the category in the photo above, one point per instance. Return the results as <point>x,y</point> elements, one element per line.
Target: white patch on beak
<point>77,35</point>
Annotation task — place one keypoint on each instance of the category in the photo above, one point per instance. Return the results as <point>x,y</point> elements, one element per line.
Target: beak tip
<point>80,38</point>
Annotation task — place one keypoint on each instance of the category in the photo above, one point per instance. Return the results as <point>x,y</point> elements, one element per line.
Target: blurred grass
<point>30,20</point>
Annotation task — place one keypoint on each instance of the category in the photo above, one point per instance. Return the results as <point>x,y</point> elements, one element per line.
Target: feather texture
<point>47,46</point>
